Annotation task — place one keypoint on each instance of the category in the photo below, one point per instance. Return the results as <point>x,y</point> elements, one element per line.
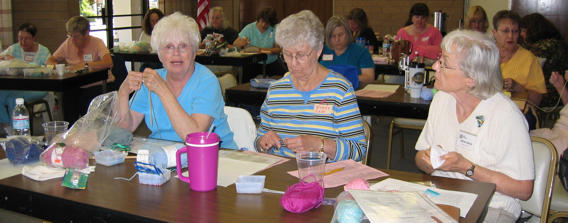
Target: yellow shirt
<point>524,69</point>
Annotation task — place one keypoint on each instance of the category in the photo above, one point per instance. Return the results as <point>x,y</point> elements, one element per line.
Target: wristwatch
<point>322,148</point>
<point>470,171</point>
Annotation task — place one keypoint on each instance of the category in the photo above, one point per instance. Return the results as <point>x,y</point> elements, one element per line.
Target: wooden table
<point>245,61</point>
<point>399,104</point>
<point>108,200</point>
<point>69,84</point>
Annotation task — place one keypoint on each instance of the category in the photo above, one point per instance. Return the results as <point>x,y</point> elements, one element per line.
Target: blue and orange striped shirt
<point>291,113</point>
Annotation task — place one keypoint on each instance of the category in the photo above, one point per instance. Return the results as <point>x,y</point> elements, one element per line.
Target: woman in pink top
<point>425,38</point>
<point>81,49</point>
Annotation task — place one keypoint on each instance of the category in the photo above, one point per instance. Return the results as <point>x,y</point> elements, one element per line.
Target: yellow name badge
<point>323,109</point>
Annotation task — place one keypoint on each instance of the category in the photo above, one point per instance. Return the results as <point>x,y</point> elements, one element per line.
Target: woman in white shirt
<point>481,131</point>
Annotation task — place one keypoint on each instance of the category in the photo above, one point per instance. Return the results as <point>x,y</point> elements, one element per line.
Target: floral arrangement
<point>214,42</point>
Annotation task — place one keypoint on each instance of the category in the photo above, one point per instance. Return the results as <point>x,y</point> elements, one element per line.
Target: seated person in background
<point>81,49</point>
<point>522,74</point>
<point>340,49</point>
<point>311,108</point>
<point>28,50</point>
<point>482,130</point>
<point>558,135</point>
<point>359,25</point>
<point>185,95</point>
<point>261,34</point>
<point>150,20</point>
<point>425,38</point>
<point>217,19</point>
<point>476,19</point>
<point>541,37</point>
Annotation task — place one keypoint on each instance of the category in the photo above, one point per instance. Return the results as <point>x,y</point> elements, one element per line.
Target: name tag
<point>466,140</point>
<point>327,57</point>
<point>88,57</point>
<point>426,38</point>
<point>323,109</point>
<point>29,58</point>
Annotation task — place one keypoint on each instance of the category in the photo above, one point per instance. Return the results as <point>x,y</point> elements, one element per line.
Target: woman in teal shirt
<point>30,51</point>
<point>261,34</point>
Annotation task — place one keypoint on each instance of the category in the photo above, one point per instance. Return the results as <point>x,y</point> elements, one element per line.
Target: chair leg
<point>389,147</point>
<point>402,143</point>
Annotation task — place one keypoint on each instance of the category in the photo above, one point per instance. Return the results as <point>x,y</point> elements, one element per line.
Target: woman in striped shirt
<point>311,108</point>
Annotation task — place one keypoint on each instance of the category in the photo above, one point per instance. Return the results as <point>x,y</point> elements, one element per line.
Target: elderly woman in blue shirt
<point>311,108</point>
<point>185,95</point>
<point>29,50</point>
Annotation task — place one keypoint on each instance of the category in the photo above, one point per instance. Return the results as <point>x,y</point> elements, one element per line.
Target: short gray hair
<point>176,23</point>
<point>478,59</point>
<point>302,27</point>
<point>334,22</point>
<point>78,24</point>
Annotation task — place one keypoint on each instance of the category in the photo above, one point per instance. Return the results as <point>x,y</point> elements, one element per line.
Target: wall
<point>387,16</point>
<point>491,7</point>
<point>555,11</point>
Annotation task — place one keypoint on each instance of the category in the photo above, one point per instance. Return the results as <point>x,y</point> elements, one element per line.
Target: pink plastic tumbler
<point>202,158</point>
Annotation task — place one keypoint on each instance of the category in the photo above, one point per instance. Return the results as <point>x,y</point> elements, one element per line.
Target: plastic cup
<point>415,91</point>
<point>60,68</point>
<point>311,166</point>
<point>51,129</point>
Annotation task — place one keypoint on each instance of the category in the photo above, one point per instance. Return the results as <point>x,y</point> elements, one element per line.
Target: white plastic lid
<point>19,101</point>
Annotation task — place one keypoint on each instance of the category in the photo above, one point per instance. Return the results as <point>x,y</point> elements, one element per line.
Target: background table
<point>108,200</point>
<point>69,84</point>
<point>246,61</point>
<point>399,104</point>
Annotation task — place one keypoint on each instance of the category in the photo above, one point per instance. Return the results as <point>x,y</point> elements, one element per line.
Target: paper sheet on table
<point>462,200</point>
<point>233,163</point>
<point>377,91</point>
<point>398,207</point>
<point>351,170</point>
<point>7,169</point>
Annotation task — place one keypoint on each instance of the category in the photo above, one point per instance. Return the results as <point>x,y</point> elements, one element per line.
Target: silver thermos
<point>439,20</point>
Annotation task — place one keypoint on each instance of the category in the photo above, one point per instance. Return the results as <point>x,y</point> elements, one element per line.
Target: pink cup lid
<point>201,138</point>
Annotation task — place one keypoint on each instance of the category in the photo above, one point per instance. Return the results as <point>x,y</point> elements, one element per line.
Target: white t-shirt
<point>494,136</point>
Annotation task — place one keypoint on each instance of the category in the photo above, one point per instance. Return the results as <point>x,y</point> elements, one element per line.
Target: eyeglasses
<point>507,31</point>
<point>74,36</point>
<point>300,57</point>
<point>443,65</point>
<point>182,48</point>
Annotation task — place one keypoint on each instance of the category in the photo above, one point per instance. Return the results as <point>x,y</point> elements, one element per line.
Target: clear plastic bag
<point>347,210</point>
<point>71,149</point>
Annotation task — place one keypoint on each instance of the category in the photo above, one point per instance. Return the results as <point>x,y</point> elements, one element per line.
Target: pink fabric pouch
<point>302,197</point>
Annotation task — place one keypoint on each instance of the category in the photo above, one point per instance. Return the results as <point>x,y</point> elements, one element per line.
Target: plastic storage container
<point>109,157</point>
<point>154,179</point>
<point>250,184</point>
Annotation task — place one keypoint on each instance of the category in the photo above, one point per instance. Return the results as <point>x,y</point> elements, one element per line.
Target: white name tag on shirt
<point>323,109</point>
<point>29,57</point>
<point>424,39</point>
<point>466,140</point>
<point>327,57</point>
<point>88,57</point>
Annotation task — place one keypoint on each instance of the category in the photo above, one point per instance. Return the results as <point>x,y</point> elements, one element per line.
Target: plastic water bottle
<point>360,41</point>
<point>386,47</point>
<point>21,119</point>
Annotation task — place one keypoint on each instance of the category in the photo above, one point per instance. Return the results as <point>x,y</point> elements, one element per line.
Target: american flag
<point>202,13</point>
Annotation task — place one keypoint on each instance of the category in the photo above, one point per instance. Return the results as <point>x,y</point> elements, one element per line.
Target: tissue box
<point>250,184</point>
<point>109,157</point>
<point>154,179</point>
